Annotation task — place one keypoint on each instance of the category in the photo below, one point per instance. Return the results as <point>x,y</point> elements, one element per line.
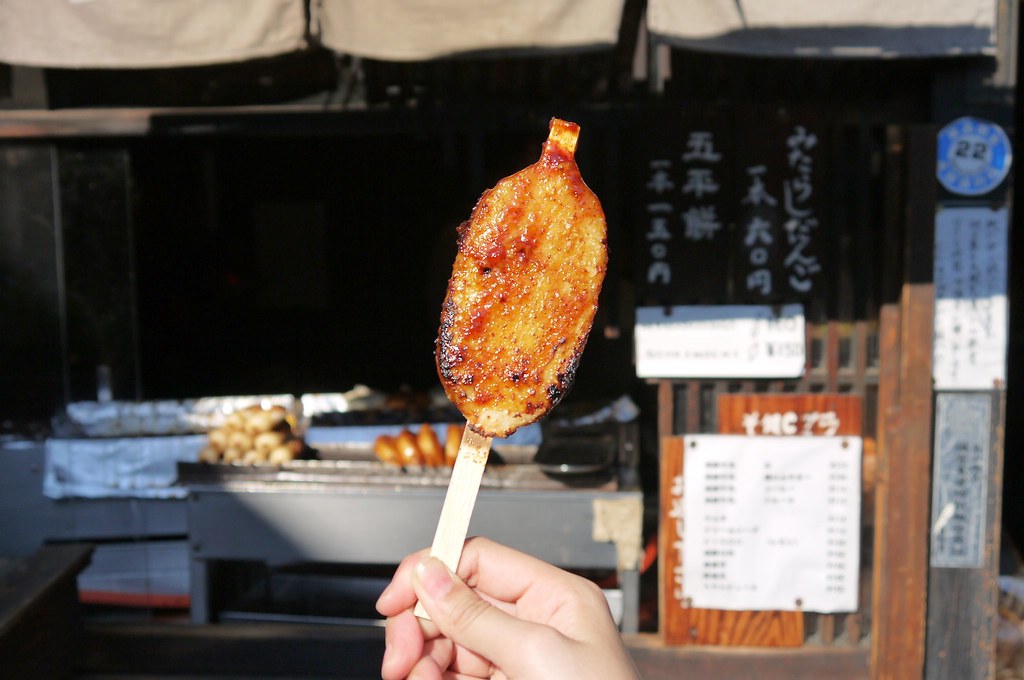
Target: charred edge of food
<point>460,233</point>
<point>482,432</point>
<point>447,363</point>
<point>447,353</point>
<point>565,380</point>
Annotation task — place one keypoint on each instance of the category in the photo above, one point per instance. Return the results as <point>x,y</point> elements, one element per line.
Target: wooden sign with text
<point>789,415</point>
<point>785,415</point>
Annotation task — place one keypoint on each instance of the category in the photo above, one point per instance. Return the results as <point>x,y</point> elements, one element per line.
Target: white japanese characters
<point>700,218</point>
<point>659,225</point>
<point>801,225</point>
<point>759,232</point>
<point>717,215</point>
<point>791,423</point>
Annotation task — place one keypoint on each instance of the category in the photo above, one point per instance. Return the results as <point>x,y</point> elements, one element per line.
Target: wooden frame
<point>893,589</point>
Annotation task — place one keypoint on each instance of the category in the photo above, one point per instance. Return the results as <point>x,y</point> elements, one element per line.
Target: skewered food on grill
<point>429,446</point>
<point>420,449</point>
<point>253,436</point>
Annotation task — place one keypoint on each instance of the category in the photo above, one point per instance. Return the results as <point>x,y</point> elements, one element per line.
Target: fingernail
<point>434,576</point>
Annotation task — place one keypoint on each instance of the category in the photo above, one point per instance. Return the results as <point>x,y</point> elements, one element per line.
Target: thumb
<point>463,616</point>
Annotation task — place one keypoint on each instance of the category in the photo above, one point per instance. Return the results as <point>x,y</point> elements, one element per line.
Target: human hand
<point>506,615</point>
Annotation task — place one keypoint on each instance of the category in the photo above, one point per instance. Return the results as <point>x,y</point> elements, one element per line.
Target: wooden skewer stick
<point>459,501</point>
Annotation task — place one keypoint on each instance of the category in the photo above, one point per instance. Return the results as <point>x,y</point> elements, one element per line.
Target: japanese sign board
<point>819,414</point>
<point>790,419</point>
<point>971,322</point>
<point>960,479</point>
<point>685,181</point>
<point>708,341</point>
<point>744,215</point>
<point>771,522</point>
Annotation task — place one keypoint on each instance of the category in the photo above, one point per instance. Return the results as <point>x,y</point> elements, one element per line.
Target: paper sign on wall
<point>960,480</point>
<point>771,522</point>
<point>969,351</point>
<point>727,341</point>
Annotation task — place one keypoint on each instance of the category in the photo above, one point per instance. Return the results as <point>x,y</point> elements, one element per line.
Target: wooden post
<point>970,274</point>
<point>902,489</point>
<point>904,438</point>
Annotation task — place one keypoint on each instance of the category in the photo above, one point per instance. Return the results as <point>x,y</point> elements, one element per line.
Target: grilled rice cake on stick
<point>520,304</point>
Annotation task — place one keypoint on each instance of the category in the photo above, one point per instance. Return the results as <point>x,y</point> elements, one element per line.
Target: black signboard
<point>731,206</point>
<point>686,206</point>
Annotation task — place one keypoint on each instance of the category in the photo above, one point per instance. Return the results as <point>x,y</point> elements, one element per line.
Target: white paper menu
<point>971,326</point>
<point>771,523</point>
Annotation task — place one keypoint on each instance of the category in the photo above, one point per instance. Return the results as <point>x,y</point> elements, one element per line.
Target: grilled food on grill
<point>385,449</point>
<point>452,440</point>
<point>523,291</point>
<point>408,451</point>
<point>422,449</point>
<point>253,436</point>
<point>429,446</point>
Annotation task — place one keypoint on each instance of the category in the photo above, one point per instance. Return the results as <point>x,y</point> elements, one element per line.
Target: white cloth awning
<point>408,30</point>
<point>147,33</point>
<point>170,33</point>
<point>851,28</point>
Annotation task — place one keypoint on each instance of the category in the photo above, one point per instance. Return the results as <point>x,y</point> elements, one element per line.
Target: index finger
<point>399,595</point>
<point>506,574</point>
<point>535,591</point>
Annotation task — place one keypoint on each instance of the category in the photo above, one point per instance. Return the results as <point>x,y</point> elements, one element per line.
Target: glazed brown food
<point>408,451</point>
<point>251,436</point>
<point>415,450</point>
<point>523,291</point>
<point>429,446</point>
<point>385,450</point>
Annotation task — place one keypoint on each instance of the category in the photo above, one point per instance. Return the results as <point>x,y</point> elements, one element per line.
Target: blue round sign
<point>974,156</point>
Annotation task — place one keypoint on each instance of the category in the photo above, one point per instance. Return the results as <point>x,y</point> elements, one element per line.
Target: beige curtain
<point>406,30</point>
<point>147,33</point>
<point>913,28</point>
<point>163,33</point>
